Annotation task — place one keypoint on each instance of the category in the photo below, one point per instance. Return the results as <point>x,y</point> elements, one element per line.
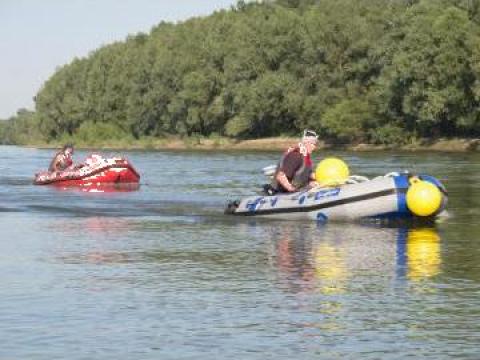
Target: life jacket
<point>301,177</point>
<point>60,162</point>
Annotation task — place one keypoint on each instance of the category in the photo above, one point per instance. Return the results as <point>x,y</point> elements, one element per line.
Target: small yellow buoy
<point>331,171</point>
<point>423,198</point>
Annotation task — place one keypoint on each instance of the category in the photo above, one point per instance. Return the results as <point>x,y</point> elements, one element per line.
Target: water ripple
<point>162,273</point>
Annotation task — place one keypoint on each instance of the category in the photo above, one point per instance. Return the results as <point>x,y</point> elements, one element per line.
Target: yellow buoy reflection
<point>423,253</point>
<point>330,269</point>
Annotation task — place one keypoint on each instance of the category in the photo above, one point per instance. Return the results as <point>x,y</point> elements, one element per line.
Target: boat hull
<point>383,197</point>
<point>101,172</point>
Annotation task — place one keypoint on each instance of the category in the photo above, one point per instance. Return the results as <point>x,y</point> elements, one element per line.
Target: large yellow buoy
<point>423,198</point>
<point>331,171</point>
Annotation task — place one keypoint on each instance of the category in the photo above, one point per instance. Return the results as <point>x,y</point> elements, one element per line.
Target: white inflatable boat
<point>382,197</point>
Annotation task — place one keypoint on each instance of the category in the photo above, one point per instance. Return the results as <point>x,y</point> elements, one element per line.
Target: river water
<point>161,273</point>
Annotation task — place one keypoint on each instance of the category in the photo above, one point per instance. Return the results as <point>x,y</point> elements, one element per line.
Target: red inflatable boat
<point>94,171</point>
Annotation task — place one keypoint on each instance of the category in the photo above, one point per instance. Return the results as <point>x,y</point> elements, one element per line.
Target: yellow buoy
<point>331,171</point>
<point>423,198</point>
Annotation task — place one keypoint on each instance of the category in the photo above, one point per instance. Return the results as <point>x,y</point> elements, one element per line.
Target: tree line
<point>377,71</point>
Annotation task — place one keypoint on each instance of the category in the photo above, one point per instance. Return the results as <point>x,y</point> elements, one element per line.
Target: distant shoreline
<point>266,144</point>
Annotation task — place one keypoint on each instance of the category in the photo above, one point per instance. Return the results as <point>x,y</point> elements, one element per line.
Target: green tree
<point>355,70</point>
<point>429,83</point>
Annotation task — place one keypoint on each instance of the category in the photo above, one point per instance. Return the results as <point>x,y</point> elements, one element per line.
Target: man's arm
<point>283,180</point>
<point>53,165</point>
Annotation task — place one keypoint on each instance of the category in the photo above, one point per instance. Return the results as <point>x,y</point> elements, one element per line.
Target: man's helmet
<point>310,136</point>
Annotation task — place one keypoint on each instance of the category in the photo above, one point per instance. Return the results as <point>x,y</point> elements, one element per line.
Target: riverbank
<point>267,144</point>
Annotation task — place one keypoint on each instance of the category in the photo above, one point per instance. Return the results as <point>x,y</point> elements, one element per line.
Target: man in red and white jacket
<point>295,169</point>
<point>62,160</point>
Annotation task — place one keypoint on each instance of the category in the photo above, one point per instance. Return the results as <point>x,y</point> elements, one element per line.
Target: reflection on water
<point>330,269</point>
<point>103,231</point>
<point>96,257</point>
<point>161,273</point>
<point>423,253</point>
<point>98,188</point>
<point>98,226</point>
<point>294,256</point>
<point>352,269</point>
<point>334,257</point>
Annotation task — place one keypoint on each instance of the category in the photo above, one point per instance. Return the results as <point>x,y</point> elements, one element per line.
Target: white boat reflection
<point>335,258</point>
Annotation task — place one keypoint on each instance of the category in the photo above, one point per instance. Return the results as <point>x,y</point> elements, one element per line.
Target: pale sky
<point>37,36</point>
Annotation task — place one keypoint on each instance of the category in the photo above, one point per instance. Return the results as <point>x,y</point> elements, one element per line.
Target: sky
<point>37,36</point>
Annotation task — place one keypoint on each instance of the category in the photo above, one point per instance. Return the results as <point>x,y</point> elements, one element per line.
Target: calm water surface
<point>161,273</point>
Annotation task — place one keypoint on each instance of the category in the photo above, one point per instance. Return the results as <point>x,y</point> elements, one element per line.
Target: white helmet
<point>310,136</point>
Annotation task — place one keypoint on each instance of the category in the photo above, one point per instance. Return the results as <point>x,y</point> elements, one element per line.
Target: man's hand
<point>283,180</point>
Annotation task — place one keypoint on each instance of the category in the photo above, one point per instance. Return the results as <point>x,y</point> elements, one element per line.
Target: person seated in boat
<point>295,169</point>
<point>62,160</point>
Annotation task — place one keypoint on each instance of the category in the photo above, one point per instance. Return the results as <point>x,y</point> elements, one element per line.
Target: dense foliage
<point>23,128</point>
<point>380,71</point>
